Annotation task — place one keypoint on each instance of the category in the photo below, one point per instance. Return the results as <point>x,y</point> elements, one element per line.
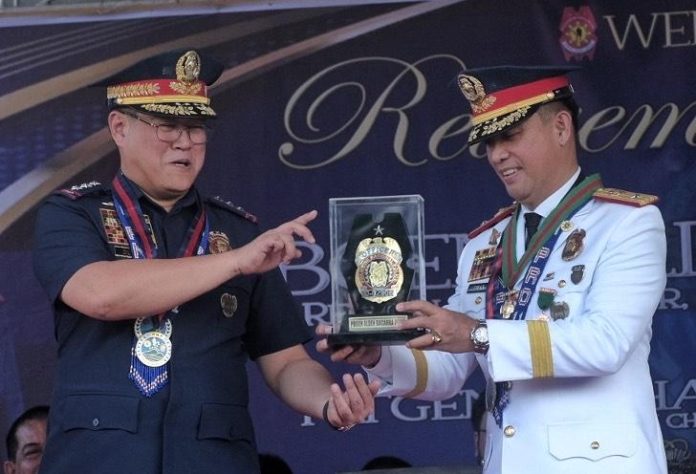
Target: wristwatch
<point>479,337</point>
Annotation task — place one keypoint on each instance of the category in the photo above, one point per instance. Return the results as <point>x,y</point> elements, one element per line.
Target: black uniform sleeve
<point>66,238</point>
<point>275,321</point>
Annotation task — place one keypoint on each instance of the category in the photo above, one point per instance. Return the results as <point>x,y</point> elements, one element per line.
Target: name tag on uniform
<point>477,288</point>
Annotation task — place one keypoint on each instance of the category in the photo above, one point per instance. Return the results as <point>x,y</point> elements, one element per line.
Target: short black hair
<point>273,464</point>
<point>568,104</point>
<point>385,462</point>
<point>39,412</point>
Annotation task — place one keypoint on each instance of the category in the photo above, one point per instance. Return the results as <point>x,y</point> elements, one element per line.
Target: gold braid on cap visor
<point>523,104</point>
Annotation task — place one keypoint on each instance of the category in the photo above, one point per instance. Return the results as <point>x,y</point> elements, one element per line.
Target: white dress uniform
<point>581,396</point>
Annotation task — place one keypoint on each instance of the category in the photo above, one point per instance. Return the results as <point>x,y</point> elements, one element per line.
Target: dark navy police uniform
<point>199,422</point>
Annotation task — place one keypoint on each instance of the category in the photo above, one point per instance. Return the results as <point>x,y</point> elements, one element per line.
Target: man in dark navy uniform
<point>161,295</point>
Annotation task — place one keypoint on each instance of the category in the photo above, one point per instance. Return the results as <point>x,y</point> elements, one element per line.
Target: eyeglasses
<point>170,132</point>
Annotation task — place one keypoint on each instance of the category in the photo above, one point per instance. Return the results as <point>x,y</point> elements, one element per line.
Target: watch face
<point>481,335</point>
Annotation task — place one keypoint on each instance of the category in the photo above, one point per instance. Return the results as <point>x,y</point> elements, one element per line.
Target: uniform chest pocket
<point>592,441</point>
<point>225,422</point>
<point>101,412</point>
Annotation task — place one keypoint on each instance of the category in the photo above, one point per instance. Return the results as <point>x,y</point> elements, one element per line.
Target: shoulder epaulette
<point>624,197</point>
<point>499,216</point>
<point>218,201</point>
<point>80,190</point>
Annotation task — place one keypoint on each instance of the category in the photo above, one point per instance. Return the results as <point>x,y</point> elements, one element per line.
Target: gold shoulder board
<point>625,197</point>
<point>499,216</point>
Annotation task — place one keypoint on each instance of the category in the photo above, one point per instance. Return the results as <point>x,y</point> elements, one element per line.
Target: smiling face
<point>535,158</point>
<point>164,171</point>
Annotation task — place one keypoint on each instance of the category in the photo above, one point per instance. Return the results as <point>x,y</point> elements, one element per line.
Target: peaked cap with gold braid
<point>504,96</point>
<point>171,85</point>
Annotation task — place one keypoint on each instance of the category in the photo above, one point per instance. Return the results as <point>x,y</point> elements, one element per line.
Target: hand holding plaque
<point>373,255</point>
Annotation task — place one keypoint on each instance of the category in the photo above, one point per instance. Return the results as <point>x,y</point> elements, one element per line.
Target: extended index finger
<point>307,217</point>
<point>298,226</point>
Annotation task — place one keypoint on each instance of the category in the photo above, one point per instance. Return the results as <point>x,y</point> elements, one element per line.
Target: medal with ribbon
<point>152,346</point>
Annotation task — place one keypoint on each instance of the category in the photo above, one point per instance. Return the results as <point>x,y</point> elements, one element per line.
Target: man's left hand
<point>346,409</point>
<point>447,330</point>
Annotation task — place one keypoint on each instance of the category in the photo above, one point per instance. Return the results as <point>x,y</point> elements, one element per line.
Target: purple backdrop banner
<point>361,100</point>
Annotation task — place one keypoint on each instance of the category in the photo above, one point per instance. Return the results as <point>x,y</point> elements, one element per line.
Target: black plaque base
<point>376,338</point>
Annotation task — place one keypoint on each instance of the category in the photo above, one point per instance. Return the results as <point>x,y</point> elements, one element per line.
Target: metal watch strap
<point>480,346</point>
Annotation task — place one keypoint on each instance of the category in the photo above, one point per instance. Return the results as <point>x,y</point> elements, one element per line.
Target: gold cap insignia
<point>473,90</point>
<point>188,67</point>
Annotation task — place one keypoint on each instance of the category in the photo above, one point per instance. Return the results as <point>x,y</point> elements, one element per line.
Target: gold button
<point>509,431</point>
<point>595,445</point>
<point>478,300</point>
<point>561,283</point>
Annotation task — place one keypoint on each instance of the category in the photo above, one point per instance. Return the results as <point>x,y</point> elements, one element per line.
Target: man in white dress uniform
<point>555,308</point>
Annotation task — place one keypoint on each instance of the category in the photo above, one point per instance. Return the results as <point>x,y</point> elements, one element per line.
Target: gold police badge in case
<point>376,263</point>
<point>378,274</point>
